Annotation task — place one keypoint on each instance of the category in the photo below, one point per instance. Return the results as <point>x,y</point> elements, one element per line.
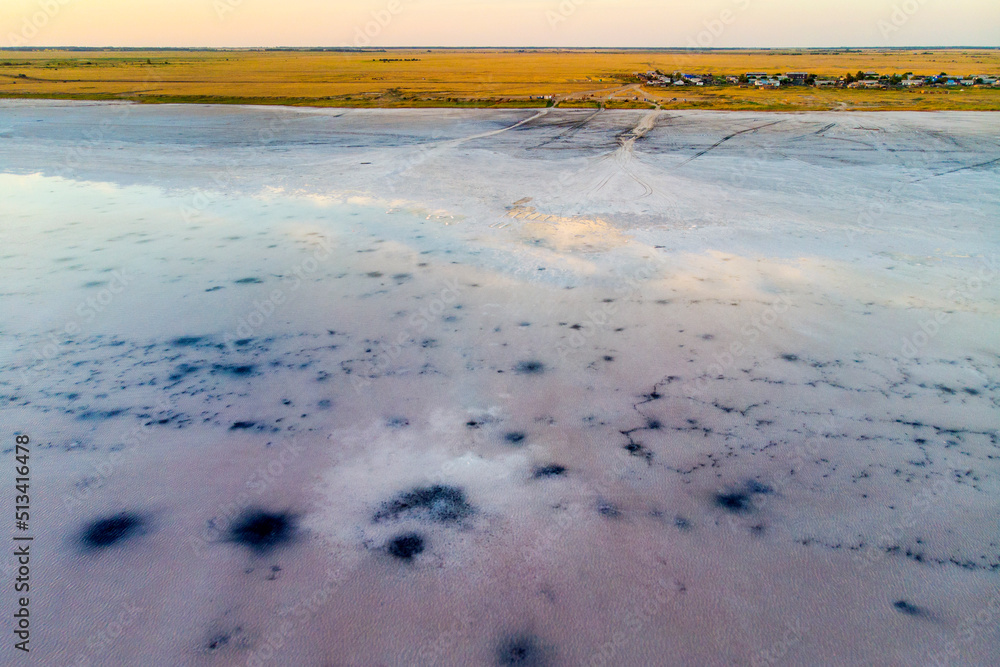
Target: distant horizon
<point>106,47</point>
<point>571,24</point>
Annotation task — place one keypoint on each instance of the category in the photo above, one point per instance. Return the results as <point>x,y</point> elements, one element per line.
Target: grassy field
<point>483,78</point>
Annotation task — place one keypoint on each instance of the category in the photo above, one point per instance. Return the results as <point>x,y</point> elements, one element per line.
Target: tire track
<point>952,171</point>
<point>725,139</point>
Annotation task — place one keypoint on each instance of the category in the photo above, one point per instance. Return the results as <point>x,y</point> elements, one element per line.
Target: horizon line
<point>473,48</point>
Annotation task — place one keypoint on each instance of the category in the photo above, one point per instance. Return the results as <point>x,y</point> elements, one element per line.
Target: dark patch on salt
<point>522,649</point>
<point>605,508</point>
<point>514,437</point>
<point>220,640</point>
<point>186,341</point>
<point>217,642</point>
<point>440,503</point>
<point>907,608</point>
<point>735,502</point>
<point>94,415</point>
<point>754,487</point>
<point>261,530</point>
<point>249,281</point>
<point>237,371</point>
<point>406,546</point>
<point>551,470</point>
<point>637,449</point>
<point>112,530</point>
<point>530,368</point>
<point>182,371</point>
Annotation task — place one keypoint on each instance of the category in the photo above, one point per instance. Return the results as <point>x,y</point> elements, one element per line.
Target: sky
<point>569,23</point>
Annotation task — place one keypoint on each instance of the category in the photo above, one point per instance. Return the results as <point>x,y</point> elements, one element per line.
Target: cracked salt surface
<point>613,388</point>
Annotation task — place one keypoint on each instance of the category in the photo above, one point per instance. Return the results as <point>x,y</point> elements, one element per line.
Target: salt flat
<point>504,387</point>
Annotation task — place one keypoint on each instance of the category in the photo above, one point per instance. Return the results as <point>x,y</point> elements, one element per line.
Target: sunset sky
<point>636,23</point>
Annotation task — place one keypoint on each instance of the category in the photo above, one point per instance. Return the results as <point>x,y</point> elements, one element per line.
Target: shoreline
<point>312,103</point>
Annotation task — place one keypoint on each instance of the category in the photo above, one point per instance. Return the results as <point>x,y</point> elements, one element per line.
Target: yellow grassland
<point>483,77</point>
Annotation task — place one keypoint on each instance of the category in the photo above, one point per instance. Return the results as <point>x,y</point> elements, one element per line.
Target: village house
<point>868,84</point>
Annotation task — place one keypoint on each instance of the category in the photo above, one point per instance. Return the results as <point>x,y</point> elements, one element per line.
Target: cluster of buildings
<point>662,80</point>
<point>860,80</point>
<point>759,79</point>
<point>872,80</point>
